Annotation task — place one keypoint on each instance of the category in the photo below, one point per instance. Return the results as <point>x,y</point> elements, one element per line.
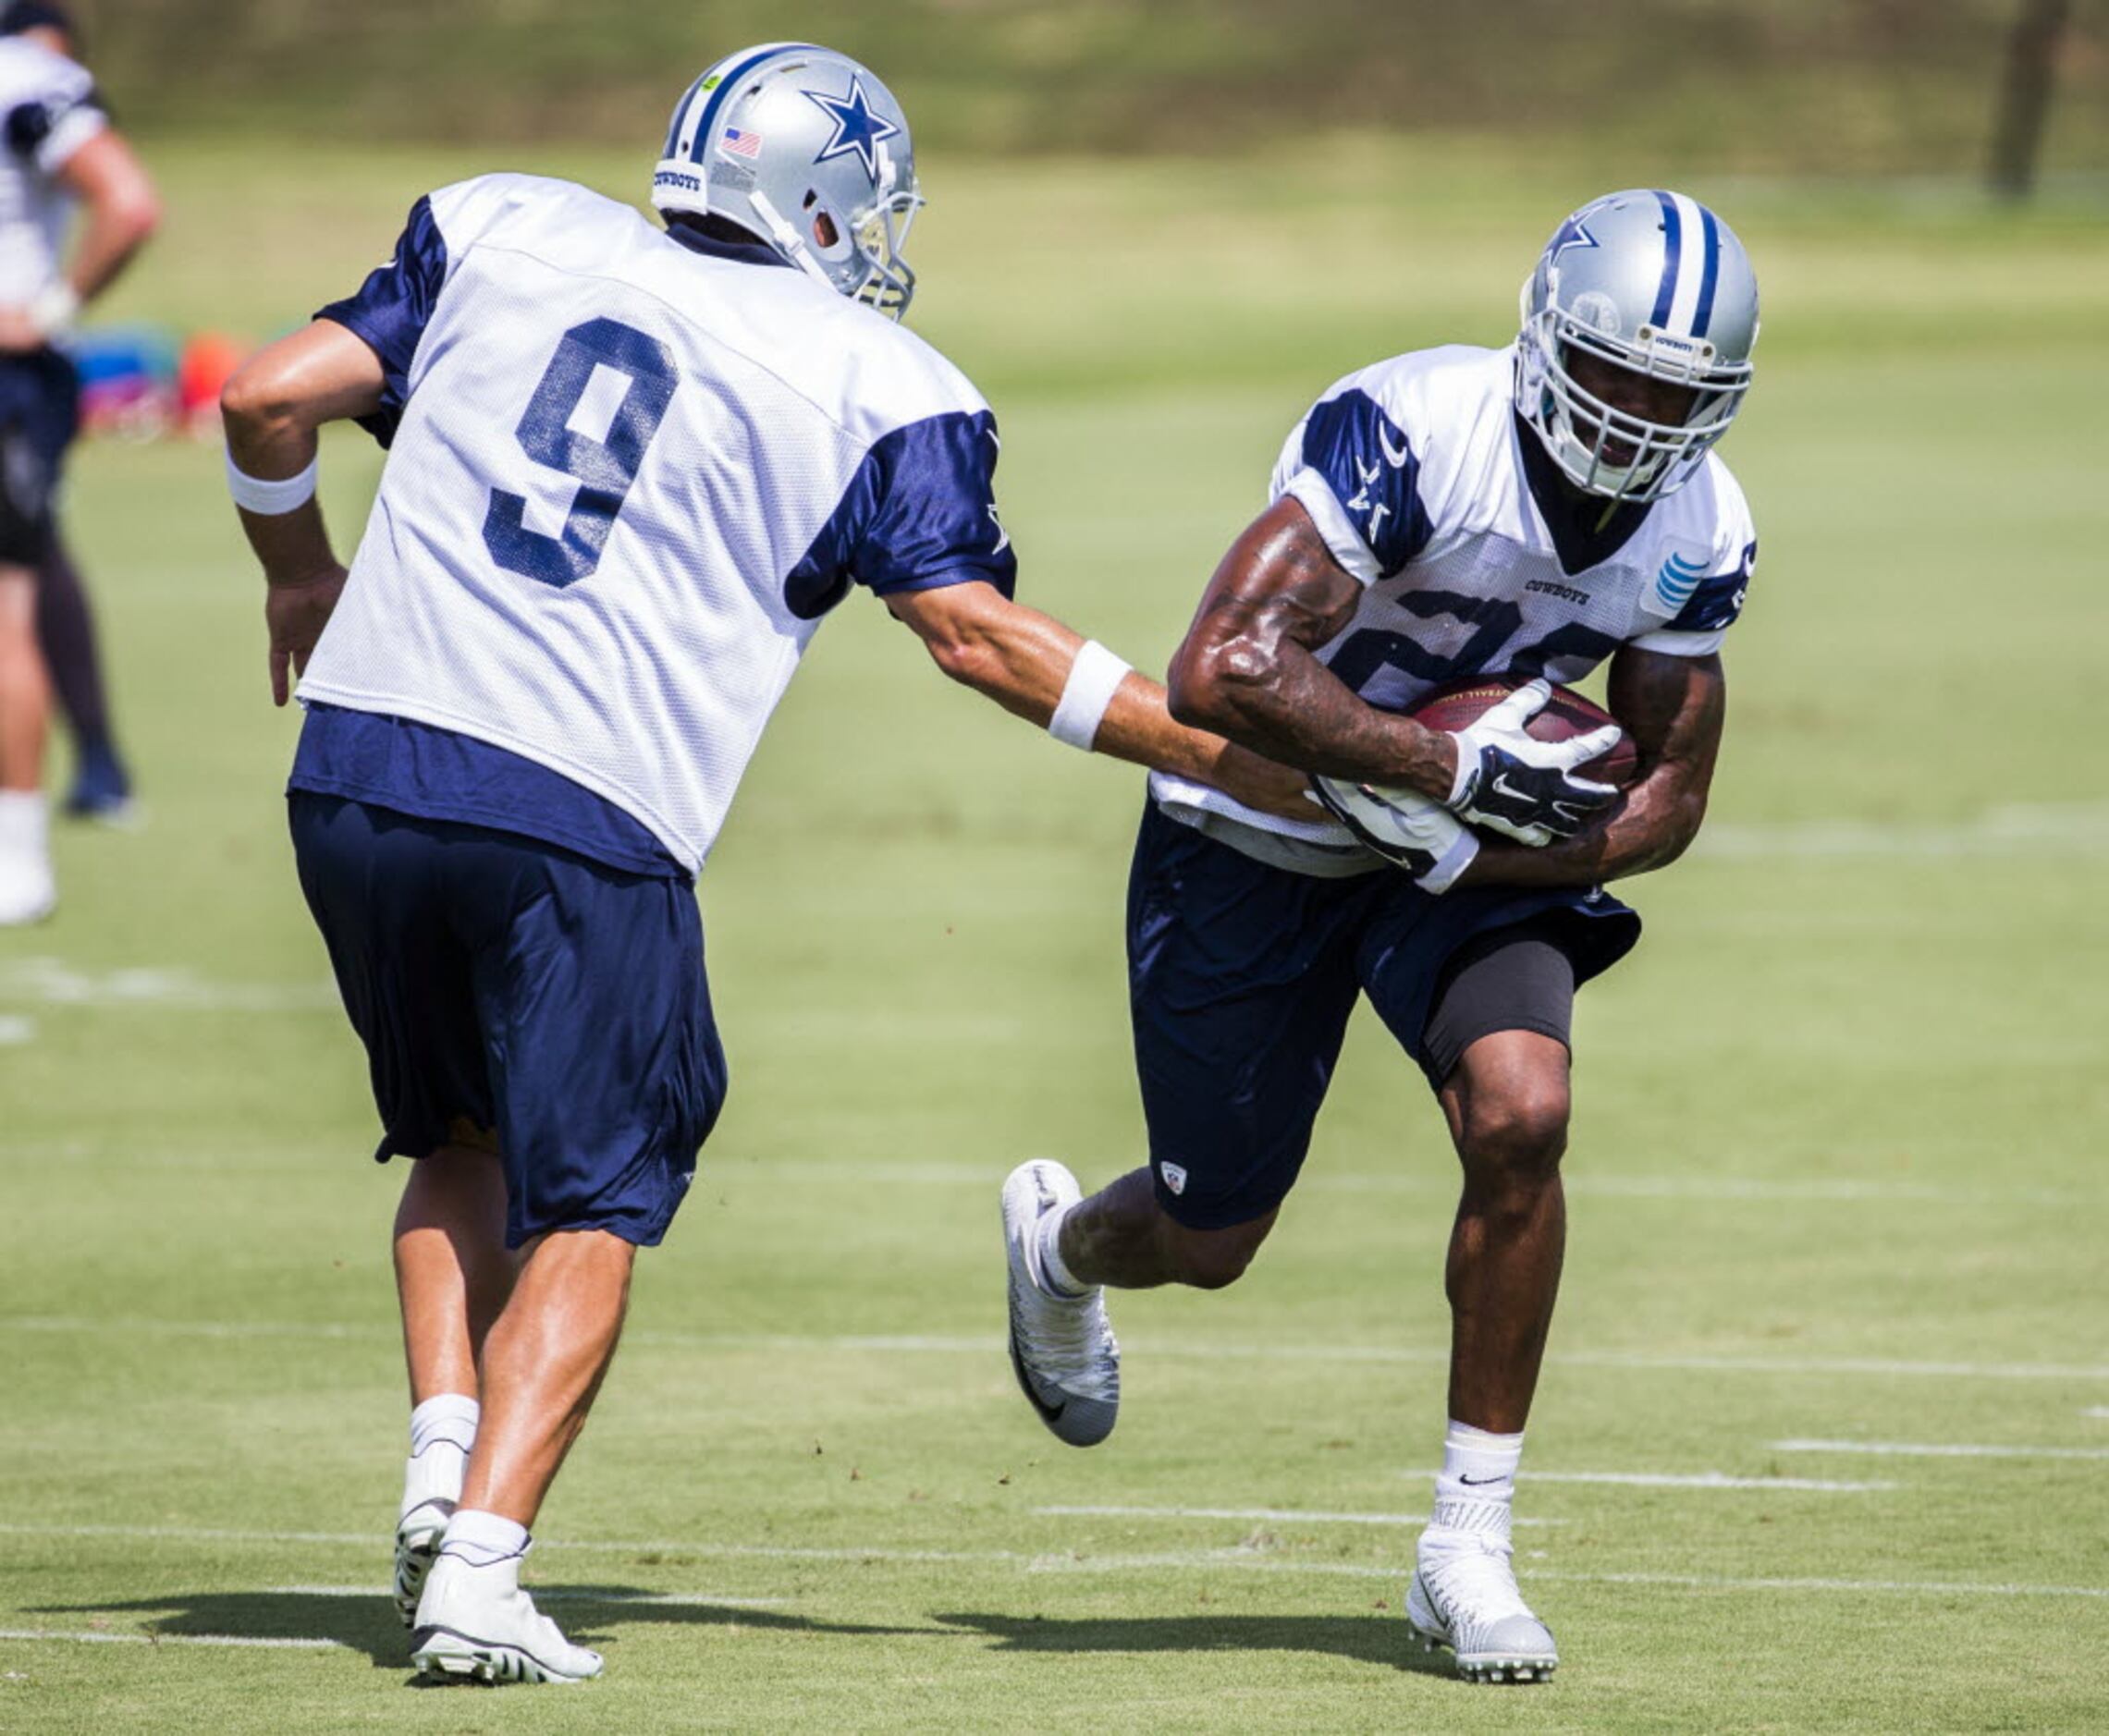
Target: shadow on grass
<point>365,1621</point>
<point>1371,1638</point>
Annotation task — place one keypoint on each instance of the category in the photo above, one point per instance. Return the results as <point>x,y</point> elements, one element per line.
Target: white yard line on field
<point>676,1600</point>
<point>925,1343</point>
<point>2065,828</point>
<point>1581,1181</point>
<point>15,1031</point>
<point>1921,1587</point>
<point>651,1545</point>
<point>1935,1450</point>
<point>1252,1560</point>
<point>1278,1515</point>
<point>1694,1480</point>
<point>2100,1412</point>
<point>53,983</point>
<point>1821,1190</point>
<point>244,1640</point>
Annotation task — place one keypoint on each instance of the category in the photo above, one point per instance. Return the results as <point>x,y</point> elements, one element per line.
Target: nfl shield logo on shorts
<point>1174,1177</point>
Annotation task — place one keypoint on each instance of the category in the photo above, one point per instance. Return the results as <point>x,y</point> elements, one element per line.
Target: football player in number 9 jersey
<point>631,469</point>
<point>1529,512</point>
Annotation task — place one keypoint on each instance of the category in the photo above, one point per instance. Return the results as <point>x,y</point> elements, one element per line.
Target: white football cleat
<point>418,1536</point>
<point>475,1624</point>
<point>27,892</point>
<point>1464,1597</point>
<point>1063,1348</point>
<point>432,1489</point>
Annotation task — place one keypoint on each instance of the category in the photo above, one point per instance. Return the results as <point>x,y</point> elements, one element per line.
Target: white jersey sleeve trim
<point>1315,494</point>
<point>73,129</point>
<point>1680,644</point>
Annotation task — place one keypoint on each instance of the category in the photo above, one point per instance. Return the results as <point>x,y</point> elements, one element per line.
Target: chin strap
<point>790,243</point>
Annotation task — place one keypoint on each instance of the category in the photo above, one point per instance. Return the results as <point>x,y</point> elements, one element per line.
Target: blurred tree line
<point>1868,86</point>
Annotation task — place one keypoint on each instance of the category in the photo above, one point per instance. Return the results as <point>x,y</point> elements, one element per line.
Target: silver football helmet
<point>1650,281</point>
<point>806,149</point>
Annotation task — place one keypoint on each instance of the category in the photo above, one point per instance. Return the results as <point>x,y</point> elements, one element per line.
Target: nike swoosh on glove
<point>1510,782</point>
<point>1406,828</point>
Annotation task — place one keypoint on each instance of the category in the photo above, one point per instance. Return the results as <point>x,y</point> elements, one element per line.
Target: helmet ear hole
<point>825,235</point>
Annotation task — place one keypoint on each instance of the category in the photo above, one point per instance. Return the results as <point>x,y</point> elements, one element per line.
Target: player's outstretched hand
<point>1404,827</point>
<point>1510,782</point>
<point>1260,783</point>
<point>296,612</point>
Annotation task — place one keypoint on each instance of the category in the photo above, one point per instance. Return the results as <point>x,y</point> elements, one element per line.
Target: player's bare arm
<point>1023,660</point>
<point>1674,709</point>
<point>272,408</point>
<point>1247,669</point>
<point>120,213</point>
<point>119,208</point>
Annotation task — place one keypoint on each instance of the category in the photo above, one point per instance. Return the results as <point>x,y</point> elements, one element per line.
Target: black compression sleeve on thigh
<point>1514,979</point>
<point>65,628</point>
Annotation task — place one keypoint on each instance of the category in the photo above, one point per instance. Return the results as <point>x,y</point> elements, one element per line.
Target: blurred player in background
<point>59,150</point>
<point>1457,512</point>
<point>631,470</point>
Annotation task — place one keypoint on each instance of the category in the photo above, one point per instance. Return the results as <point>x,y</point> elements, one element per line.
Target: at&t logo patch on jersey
<point>1678,579</point>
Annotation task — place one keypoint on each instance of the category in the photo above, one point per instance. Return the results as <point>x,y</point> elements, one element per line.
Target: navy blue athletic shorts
<point>505,986</point>
<point>40,413</point>
<point>1240,978</point>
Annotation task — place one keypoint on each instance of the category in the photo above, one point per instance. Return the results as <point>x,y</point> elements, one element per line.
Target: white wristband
<point>270,499</point>
<point>1094,679</point>
<point>52,308</point>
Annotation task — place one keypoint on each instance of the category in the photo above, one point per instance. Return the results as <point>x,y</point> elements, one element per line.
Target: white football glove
<point>1510,782</point>
<point>1408,830</point>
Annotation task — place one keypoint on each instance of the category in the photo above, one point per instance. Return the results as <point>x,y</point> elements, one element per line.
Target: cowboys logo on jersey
<point>1468,489</point>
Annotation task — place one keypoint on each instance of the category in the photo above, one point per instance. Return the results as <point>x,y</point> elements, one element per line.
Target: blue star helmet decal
<point>857,128</point>
<point>1574,232</point>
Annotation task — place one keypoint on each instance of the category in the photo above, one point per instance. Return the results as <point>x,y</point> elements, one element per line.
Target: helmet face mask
<point>805,149</point>
<point>1619,284</point>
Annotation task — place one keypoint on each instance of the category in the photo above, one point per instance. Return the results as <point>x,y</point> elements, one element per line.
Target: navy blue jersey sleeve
<point>1715,603</point>
<point>391,309</point>
<point>919,513</point>
<point>1366,462</point>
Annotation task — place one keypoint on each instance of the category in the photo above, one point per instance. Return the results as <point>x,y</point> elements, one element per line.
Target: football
<point>1566,714</point>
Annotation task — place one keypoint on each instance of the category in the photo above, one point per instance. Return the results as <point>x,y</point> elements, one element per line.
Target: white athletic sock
<point>1478,1469</point>
<point>448,1420</point>
<point>443,1429</point>
<point>1056,1277</point>
<point>25,825</point>
<point>481,1539</point>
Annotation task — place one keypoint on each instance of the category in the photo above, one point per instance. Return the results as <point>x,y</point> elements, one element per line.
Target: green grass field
<point>1835,1176</point>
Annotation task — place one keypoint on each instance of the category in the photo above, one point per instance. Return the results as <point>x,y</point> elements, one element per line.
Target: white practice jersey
<point>48,110</point>
<point>1414,473</point>
<point>628,475</point>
